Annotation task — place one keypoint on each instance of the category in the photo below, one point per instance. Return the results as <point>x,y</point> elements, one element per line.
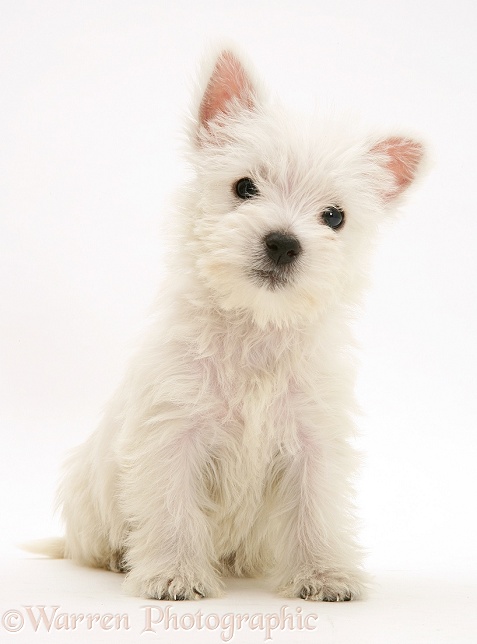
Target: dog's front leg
<point>170,551</point>
<point>317,552</point>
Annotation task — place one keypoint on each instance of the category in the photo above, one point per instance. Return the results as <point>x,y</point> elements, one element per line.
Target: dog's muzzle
<point>277,260</point>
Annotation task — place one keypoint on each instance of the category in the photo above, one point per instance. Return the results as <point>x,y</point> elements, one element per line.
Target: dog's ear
<point>402,157</point>
<point>229,89</point>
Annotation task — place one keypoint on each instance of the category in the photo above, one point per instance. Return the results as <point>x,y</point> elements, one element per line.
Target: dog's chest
<point>249,386</point>
<point>249,392</point>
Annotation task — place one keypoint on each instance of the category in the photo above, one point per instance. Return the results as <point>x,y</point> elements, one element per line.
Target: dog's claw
<point>173,590</point>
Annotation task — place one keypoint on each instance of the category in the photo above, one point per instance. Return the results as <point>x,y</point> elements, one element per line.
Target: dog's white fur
<point>226,449</point>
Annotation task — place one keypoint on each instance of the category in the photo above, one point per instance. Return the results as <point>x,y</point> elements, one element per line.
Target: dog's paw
<point>173,584</point>
<point>175,589</point>
<point>326,586</point>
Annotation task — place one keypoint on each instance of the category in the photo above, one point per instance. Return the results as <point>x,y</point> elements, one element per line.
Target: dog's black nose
<point>282,249</point>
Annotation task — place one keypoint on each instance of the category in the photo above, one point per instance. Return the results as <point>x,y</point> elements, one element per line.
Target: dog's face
<point>286,211</point>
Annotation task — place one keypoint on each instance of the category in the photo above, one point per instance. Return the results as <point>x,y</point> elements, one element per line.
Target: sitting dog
<point>226,450</point>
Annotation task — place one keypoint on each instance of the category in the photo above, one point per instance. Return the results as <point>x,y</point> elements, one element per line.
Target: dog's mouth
<point>271,279</point>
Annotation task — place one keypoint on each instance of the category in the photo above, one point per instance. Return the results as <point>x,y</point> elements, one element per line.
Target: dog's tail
<point>53,548</point>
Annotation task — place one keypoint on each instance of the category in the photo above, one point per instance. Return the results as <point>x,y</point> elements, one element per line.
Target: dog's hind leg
<point>95,525</point>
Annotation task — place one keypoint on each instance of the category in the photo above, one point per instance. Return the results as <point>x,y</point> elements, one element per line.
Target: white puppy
<point>226,449</point>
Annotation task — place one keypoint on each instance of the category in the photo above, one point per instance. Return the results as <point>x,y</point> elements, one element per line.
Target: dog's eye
<point>245,188</point>
<point>333,217</point>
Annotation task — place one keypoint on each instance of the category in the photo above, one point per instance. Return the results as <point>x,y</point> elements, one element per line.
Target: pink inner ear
<point>229,80</point>
<point>403,159</point>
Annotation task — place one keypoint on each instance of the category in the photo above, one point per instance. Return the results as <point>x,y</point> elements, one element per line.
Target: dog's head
<point>284,210</point>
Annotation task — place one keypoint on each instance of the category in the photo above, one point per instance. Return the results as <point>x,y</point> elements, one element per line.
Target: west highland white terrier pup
<point>226,449</point>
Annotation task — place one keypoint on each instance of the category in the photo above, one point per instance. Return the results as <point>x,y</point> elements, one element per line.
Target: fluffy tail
<point>53,548</point>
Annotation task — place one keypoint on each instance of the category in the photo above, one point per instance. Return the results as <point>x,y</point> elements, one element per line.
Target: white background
<point>93,100</point>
